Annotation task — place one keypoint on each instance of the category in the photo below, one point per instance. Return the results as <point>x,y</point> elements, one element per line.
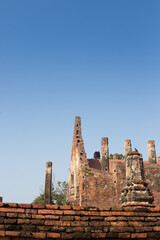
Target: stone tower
<point>151,151</point>
<point>136,191</point>
<point>78,161</point>
<point>127,147</point>
<point>48,184</point>
<point>104,154</point>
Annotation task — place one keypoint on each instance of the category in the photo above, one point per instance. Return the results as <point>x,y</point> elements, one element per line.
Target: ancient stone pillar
<point>104,154</point>
<point>1,199</point>
<point>136,191</point>
<point>48,184</point>
<point>127,147</point>
<point>151,151</point>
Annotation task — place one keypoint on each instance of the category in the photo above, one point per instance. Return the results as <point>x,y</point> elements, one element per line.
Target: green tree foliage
<point>120,156</point>
<point>58,194</point>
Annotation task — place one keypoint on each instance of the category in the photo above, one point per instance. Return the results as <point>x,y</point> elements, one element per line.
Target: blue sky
<point>98,59</point>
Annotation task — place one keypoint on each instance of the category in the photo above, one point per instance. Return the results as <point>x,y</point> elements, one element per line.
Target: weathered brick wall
<point>101,188</point>
<point>26,221</point>
<point>89,184</point>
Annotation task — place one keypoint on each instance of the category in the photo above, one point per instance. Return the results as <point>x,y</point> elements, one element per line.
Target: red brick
<point>47,211</point>
<point>138,235</point>
<point>143,229</point>
<point>136,224</point>
<point>24,215</point>
<point>10,221</point>
<point>38,216</point>
<point>104,208</point>
<point>38,206</point>
<point>67,218</point>
<point>51,216</point>
<point>136,218</point>
<point>34,211</point>
<point>68,207</point>
<point>53,235</point>
<point>12,233</point>
<point>99,235</point>
<point>1,204</point>
<point>121,229</point>
<point>67,235</point>
<point>69,212</point>
<point>11,204</point>
<point>49,206</point>
<point>81,218</point>
<point>156,209</point>
<point>23,221</point>
<point>96,223</point>
<point>79,224</point>
<point>78,208</point>
<point>2,233</point>
<point>2,214</point>
<point>12,215</point>
<point>38,235</point>
<point>151,219</point>
<point>96,218</point>
<point>18,210</point>
<point>157,228</point>
<point>119,224</point>
<point>111,218</point>
<point>124,235</point>
<point>57,223</point>
<point>37,221</point>
<point>24,205</point>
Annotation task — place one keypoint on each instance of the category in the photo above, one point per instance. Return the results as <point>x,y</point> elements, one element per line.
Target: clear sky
<point>98,59</point>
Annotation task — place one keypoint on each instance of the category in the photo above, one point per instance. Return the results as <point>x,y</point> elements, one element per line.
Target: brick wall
<point>26,221</point>
<point>99,188</point>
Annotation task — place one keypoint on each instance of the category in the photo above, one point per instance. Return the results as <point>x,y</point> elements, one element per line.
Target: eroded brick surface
<point>77,222</point>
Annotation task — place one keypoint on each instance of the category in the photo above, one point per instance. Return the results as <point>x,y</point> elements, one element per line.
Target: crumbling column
<point>104,154</point>
<point>136,192</point>
<point>48,184</point>
<point>127,147</point>
<point>151,151</point>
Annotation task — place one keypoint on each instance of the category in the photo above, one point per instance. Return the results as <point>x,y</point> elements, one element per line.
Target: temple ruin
<point>104,182</point>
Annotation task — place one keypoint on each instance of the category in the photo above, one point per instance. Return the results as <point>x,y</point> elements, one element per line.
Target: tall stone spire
<point>48,184</point>
<point>136,191</point>
<point>78,161</point>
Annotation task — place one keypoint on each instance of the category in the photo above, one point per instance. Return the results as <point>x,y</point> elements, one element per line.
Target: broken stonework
<point>151,151</point>
<point>89,184</point>
<point>136,191</point>
<point>104,154</point>
<point>48,184</point>
<point>127,147</point>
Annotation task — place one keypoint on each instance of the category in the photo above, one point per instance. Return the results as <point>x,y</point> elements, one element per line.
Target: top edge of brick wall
<point>78,208</point>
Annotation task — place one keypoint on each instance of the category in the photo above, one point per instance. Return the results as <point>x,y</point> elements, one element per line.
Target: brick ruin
<point>108,199</point>
<point>35,221</point>
<point>102,182</point>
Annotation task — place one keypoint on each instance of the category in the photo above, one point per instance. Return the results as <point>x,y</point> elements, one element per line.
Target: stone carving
<point>136,191</point>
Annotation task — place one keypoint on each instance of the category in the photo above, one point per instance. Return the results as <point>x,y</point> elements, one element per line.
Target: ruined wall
<point>26,222</point>
<point>99,186</point>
